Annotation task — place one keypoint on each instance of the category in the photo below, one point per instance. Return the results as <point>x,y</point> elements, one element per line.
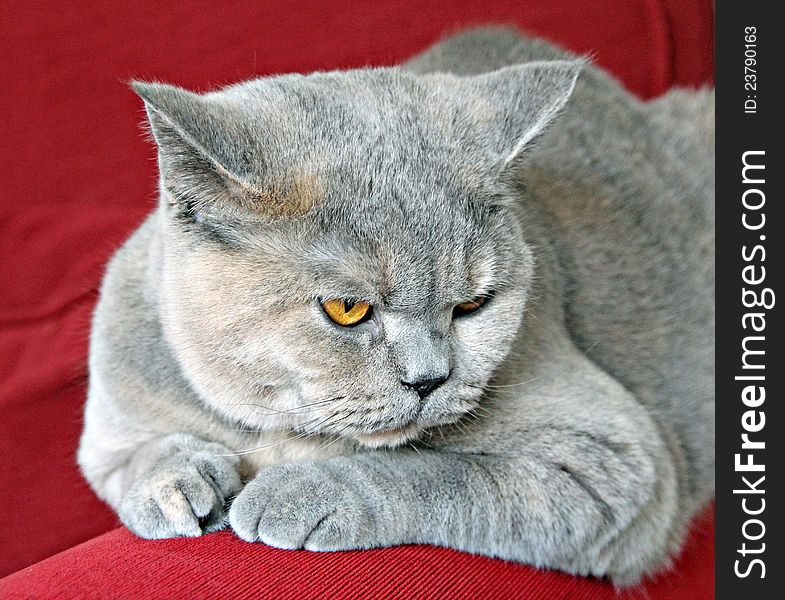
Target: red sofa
<point>78,176</point>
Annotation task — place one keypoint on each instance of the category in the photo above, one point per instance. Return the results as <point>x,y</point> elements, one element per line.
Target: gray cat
<point>411,305</point>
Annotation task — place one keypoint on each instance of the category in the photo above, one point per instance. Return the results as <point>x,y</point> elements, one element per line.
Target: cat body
<point>566,420</point>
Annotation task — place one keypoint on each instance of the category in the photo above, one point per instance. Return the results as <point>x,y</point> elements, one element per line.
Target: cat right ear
<point>195,160</point>
<point>208,159</point>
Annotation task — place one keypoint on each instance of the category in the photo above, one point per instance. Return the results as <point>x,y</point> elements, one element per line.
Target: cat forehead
<point>401,278</point>
<point>361,144</point>
<point>395,187</point>
<point>347,114</point>
<point>371,92</point>
<point>398,259</point>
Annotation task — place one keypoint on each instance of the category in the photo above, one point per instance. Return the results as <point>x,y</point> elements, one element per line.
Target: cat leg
<point>174,485</point>
<point>572,475</point>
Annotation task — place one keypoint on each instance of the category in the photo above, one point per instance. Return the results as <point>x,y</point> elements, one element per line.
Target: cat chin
<point>390,438</point>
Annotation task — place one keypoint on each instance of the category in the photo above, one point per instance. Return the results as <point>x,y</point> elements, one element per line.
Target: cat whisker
<point>591,347</point>
<point>336,437</point>
<point>304,409</point>
<point>296,437</point>
<point>480,412</point>
<point>172,417</point>
<point>509,385</point>
<point>328,420</point>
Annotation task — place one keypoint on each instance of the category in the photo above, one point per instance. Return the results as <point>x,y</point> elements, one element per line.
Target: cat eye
<point>465,308</point>
<point>347,312</point>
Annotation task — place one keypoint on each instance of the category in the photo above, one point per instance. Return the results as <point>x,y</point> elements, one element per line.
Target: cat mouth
<point>389,438</point>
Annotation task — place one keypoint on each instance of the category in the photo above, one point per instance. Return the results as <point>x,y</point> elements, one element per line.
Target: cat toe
<point>301,506</point>
<point>178,500</point>
<point>148,519</point>
<point>283,506</point>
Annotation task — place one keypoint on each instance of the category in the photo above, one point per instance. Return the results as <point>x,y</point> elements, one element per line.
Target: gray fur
<point>575,430</point>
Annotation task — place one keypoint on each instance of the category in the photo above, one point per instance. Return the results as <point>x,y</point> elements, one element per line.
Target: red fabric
<point>222,566</point>
<point>78,176</point>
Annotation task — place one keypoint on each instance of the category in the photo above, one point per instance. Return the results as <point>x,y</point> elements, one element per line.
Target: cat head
<point>337,252</point>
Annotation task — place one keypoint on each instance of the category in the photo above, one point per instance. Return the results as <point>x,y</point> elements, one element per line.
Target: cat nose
<point>425,386</point>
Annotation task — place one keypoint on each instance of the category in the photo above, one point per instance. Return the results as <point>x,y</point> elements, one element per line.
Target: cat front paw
<point>184,496</point>
<point>302,506</point>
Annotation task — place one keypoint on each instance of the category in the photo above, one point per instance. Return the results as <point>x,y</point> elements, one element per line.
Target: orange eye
<point>464,308</point>
<point>346,312</point>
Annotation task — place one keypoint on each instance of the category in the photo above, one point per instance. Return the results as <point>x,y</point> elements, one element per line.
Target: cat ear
<point>526,99</point>
<point>195,161</point>
<point>206,151</point>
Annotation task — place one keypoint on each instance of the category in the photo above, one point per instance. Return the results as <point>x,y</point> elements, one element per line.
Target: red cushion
<point>222,566</point>
<point>78,176</point>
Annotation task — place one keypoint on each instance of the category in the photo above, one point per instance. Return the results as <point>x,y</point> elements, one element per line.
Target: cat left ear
<point>526,99</point>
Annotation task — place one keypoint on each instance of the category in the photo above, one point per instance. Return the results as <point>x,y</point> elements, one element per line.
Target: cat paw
<point>301,506</point>
<point>184,496</point>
